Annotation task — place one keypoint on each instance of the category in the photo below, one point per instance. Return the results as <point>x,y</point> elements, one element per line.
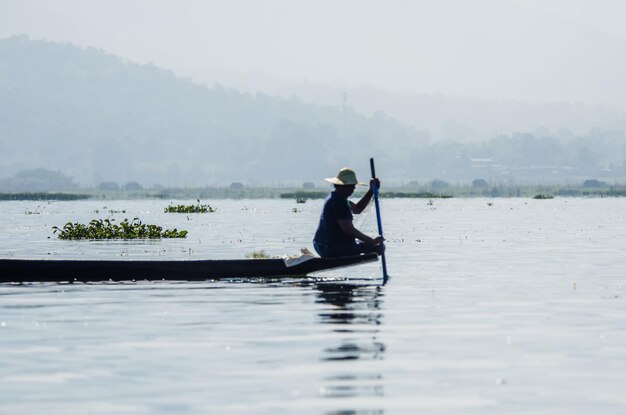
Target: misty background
<point>202,93</point>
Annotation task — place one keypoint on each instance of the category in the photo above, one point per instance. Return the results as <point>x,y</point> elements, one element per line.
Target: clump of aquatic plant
<point>257,255</point>
<point>112,211</point>
<point>542,197</point>
<point>198,208</point>
<point>33,212</point>
<point>107,229</point>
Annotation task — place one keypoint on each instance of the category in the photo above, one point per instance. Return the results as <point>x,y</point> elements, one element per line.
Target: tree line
<point>98,118</point>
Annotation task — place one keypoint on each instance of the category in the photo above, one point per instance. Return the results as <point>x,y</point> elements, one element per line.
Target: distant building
<point>108,186</point>
<point>133,186</point>
<point>595,183</point>
<point>478,163</point>
<point>438,184</point>
<point>236,186</point>
<point>308,185</point>
<point>487,167</point>
<point>480,184</point>
<point>37,180</point>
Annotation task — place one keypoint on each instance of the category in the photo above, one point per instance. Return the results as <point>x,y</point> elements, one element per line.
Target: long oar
<point>380,224</point>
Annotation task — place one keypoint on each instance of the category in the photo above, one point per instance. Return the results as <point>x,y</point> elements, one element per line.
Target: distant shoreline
<point>537,192</point>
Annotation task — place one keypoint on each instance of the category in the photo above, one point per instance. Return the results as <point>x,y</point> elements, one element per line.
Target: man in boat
<point>336,235</point>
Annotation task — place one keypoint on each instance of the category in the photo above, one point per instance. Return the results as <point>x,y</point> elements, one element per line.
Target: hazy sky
<point>531,50</point>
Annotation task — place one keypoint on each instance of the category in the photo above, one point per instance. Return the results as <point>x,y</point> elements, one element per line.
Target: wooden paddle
<point>380,225</point>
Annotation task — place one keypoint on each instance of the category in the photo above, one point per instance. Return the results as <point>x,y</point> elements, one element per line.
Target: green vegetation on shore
<point>390,191</point>
<point>44,196</point>
<point>106,229</point>
<point>303,195</point>
<point>414,195</point>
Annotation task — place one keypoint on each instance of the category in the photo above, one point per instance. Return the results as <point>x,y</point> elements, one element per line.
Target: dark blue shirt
<point>329,233</point>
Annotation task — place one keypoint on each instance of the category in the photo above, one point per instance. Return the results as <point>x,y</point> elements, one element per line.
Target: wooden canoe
<point>29,270</point>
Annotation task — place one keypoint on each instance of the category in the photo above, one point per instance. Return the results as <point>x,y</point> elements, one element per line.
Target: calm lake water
<point>494,306</point>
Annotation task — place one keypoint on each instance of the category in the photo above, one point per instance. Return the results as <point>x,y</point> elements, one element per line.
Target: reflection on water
<point>354,315</point>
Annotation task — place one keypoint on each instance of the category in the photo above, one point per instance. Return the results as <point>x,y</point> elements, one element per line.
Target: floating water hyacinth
<point>189,208</point>
<point>106,229</point>
<point>257,255</point>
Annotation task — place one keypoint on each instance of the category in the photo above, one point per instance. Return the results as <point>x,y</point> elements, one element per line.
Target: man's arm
<point>348,228</point>
<point>362,204</point>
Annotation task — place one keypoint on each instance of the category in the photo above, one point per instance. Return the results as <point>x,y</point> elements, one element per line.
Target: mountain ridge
<point>99,117</point>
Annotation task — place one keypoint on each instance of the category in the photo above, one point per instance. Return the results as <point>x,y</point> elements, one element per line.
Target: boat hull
<point>24,270</point>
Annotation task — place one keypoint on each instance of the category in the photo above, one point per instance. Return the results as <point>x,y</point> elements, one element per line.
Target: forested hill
<point>97,117</point>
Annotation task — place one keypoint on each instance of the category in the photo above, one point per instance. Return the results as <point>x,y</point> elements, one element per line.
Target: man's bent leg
<point>366,249</point>
<point>356,248</point>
